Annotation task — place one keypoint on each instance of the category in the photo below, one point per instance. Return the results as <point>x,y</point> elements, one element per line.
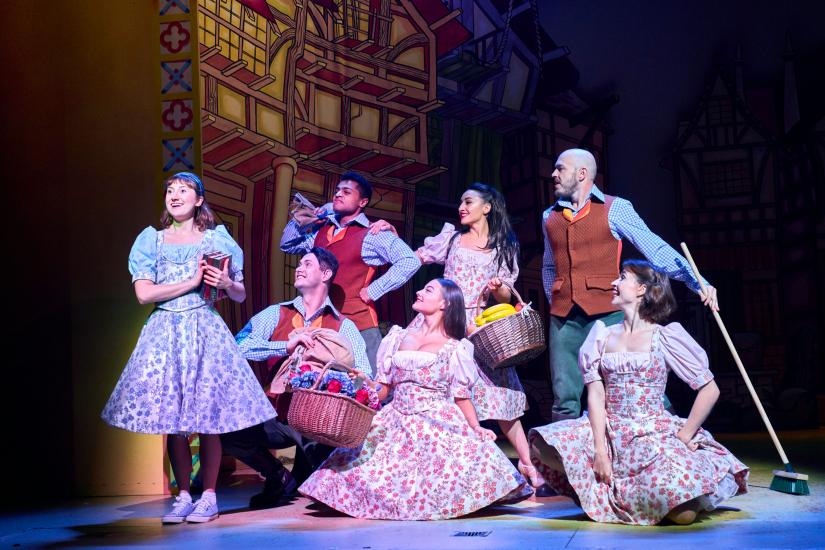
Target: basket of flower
<point>329,408</point>
<point>507,335</point>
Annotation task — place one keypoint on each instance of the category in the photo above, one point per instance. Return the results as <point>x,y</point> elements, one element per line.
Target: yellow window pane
<point>283,6</point>
<point>301,88</point>
<point>328,110</point>
<point>365,122</point>
<point>385,199</point>
<point>311,27</point>
<point>270,123</point>
<point>400,29</point>
<point>231,105</point>
<point>413,57</point>
<point>309,181</point>
<point>393,120</point>
<point>248,48</point>
<point>407,141</point>
<point>223,32</point>
<point>277,68</point>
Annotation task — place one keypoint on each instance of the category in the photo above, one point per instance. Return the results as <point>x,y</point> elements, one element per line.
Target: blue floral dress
<point>186,374</point>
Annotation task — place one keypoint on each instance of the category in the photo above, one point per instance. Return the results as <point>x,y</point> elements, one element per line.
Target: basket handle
<point>486,292</point>
<point>324,371</point>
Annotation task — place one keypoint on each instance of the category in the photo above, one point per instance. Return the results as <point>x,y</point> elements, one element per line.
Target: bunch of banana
<point>494,313</point>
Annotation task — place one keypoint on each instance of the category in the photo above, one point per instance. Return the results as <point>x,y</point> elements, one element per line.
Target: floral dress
<point>186,374</point>
<point>420,459</point>
<point>653,471</point>
<point>498,394</point>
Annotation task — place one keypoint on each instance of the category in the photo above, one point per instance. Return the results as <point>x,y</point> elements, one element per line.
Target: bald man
<point>583,233</point>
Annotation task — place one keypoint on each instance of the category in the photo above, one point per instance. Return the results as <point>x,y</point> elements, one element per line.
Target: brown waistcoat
<point>587,260</point>
<point>353,273</point>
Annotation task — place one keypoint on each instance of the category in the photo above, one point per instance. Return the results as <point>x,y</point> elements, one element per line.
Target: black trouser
<point>251,446</point>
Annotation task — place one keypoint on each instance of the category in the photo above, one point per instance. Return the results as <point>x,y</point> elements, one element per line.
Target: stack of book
<point>222,261</point>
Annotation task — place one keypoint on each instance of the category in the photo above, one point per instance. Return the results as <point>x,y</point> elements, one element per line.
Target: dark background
<point>659,57</point>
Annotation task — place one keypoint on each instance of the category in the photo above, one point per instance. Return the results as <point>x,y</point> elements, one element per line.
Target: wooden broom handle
<point>737,359</point>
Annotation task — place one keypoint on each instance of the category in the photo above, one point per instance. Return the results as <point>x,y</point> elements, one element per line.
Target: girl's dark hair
<point>658,302</point>
<point>455,317</point>
<point>204,217</point>
<point>502,239</point>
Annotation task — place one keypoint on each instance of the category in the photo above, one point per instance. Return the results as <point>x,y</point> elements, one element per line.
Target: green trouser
<point>567,334</point>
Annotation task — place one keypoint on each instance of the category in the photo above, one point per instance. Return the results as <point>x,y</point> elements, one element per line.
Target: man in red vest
<point>266,338</point>
<point>583,234</point>
<point>344,230</point>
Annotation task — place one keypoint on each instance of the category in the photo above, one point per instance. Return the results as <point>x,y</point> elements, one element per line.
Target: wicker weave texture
<point>510,341</point>
<point>329,418</point>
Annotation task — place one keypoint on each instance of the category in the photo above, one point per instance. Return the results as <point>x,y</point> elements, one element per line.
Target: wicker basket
<point>329,418</point>
<point>510,341</point>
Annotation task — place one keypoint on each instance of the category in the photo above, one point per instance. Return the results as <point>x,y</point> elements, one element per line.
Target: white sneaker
<point>181,508</point>
<point>203,511</point>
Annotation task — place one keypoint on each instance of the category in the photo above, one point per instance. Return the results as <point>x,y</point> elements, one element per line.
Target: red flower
<point>362,396</point>
<point>334,386</point>
<point>304,368</point>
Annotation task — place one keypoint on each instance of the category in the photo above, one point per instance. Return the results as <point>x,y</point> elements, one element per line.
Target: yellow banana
<point>500,315</point>
<point>479,320</point>
<point>492,310</point>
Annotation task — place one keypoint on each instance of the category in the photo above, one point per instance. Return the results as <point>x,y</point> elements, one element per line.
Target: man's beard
<point>564,191</point>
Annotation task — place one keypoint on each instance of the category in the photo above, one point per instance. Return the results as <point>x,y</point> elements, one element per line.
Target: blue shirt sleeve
<point>253,340</point>
<point>295,240</point>
<point>143,256</point>
<point>359,347</point>
<point>548,262</point>
<point>625,223</point>
<point>386,248</point>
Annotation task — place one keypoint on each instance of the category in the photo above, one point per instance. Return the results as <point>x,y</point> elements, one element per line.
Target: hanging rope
<point>506,31</point>
<point>539,54</point>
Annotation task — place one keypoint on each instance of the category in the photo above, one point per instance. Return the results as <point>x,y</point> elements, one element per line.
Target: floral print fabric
<point>653,471</point>
<point>499,394</point>
<point>420,460</point>
<point>186,374</point>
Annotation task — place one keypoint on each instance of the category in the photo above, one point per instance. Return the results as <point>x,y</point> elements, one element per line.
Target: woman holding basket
<point>425,457</point>
<point>482,257</point>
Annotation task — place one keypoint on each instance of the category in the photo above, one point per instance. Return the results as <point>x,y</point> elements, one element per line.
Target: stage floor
<point>760,519</point>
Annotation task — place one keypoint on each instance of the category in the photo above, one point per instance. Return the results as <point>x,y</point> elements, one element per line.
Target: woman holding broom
<point>629,460</point>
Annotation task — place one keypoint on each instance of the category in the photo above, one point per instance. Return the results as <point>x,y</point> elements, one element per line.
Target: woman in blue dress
<point>186,375</point>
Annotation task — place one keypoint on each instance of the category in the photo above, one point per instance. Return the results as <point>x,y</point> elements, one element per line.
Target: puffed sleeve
<point>464,370</point>
<point>143,256</point>
<point>225,243</point>
<point>436,248</point>
<point>506,275</point>
<point>383,359</point>
<point>684,356</point>
<point>590,354</point>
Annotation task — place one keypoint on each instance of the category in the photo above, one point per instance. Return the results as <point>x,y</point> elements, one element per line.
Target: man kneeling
<point>271,336</point>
